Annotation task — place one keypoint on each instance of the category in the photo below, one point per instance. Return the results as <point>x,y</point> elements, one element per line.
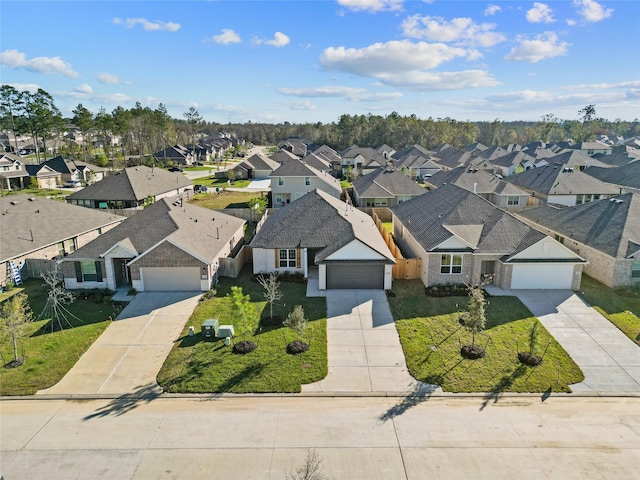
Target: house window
<point>559,238</point>
<point>61,249</point>
<point>450,263</point>
<point>403,198</point>
<point>89,273</point>
<point>99,232</point>
<point>280,181</point>
<point>70,246</point>
<point>513,200</point>
<point>579,199</point>
<point>287,258</point>
<point>380,202</point>
<point>307,180</point>
<point>635,270</point>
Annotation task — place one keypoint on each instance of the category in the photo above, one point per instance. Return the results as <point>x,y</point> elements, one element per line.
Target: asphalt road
<point>264,437</point>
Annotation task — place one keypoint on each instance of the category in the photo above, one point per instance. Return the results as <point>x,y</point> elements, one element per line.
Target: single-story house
<point>169,246</point>
<point>131,188</point>
<point>75,170</point>
<point>463,239</point>
<point>320,231</point>
<point>257,166</point>
<point>37,228</point>
<point>178,154</point>
<point>294,179</point>
<point>606,233</point>
<point>385,187</point>
<point>44,175</point>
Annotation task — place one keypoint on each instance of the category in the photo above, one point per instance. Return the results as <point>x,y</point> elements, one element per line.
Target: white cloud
<point>108,78</point>
<point>324,91</point>
<point>434,81</point>
<point>46,65</point>
<point>84,88</point>
<point>540,13</point>
<point>371,5</point>
<point>543,46</point>
<point>303,105</point>
<point>571,22</point>
<point>462,31</point>
<point>491,10</point>
<point>226,37</point>
<point>377,97</point>
<point>28,87</point>
<point>148,25</point>
<point>279,40</point>
<point>592,11</point>
<point>394,56</point>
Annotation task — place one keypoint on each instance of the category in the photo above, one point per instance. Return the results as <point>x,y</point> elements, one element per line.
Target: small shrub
<point>209,295</point>
<point>132,291</point>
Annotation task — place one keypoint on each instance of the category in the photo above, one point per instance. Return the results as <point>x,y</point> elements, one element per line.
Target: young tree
<point>241,307</point>
<point>272,291</point>
<point>474,320</point>
<point>258,206</point>
<point>15,314</point>
<point>297,322</point>
<point>231,175</point>
<point>57,299</point>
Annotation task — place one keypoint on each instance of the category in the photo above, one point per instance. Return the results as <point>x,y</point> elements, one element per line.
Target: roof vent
<point>13,202</point>
<point>31,199</point>
<point>619,201</point>
<point>612,199</point>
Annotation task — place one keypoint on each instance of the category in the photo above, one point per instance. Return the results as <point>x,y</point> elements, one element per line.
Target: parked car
<point>72,184</point>
<point>200,189</point>
<point>175,169</point>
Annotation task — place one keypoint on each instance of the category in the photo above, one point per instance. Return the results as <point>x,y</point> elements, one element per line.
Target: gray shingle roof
<point>625,175</point>
<point>49,221</point>
<point>556,179</point>
<point>473,179</point>
<point>197,230</point>
<point>282,156</point>
<point>606,225</point>
<point>297,168</point>
<point>133,183</point>
<point>318,220</point>
<point>385,183</point>
<point>259,161</point>
<point>432,217</point>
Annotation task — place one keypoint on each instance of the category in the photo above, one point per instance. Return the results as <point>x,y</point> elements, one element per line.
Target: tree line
<point>142,131</point>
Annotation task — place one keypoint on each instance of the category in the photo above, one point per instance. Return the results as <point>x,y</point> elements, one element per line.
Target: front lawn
<point>199,365</point>
<point>620,306</point>
<point>431,338</point>
<point>213,183</point>
<point>49,356</point>
<point>222,200</point>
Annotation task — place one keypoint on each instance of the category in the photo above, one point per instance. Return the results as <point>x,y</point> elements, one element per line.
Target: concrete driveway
<point>364,349</point>
<point>129,354</point>
<point>609,359</point>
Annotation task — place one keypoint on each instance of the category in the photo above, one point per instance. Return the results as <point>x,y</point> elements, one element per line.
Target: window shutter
<point>78,271</point>
<point>298,251</point>
<point>275,251</point>
<point>98,272</point>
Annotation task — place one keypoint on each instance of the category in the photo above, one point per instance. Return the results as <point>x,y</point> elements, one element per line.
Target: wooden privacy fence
<point>232,266</point>
<point>405,268</point>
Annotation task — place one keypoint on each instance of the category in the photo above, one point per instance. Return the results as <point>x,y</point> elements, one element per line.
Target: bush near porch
<point>49,356</point>
<point>431,337</point>
<point>198,365</point>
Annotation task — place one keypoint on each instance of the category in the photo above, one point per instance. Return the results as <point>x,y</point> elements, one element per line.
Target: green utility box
<point>209,328</point>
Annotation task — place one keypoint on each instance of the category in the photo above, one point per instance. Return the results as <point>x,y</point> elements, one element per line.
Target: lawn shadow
<point>505,382</point>
<point>127,402</point>
<point>247,373</point>
<point>421,393</point>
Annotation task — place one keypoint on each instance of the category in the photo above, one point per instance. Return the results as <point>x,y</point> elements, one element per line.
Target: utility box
<point>209,328</point>
<point>225,331</point>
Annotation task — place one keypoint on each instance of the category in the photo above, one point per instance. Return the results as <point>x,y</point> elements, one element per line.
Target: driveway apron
<point>609,360</point>
<point>364,349</point>
<point>130,352</point>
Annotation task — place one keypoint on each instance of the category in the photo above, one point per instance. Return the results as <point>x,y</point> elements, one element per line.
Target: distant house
<point>177,154</point>
<point>556,183</point>
<point>13,174</point>
<point>44,175</point>
<point>591,148</point>
<point>361,159</point>
<point>463,239</point>
<point>131,188</point>
<point>168,246</point>
<point>282,156</point>
<point>328,154</point>
<point>451,157</point>
<point>385,187</point>
<point>320,231</point>
<point>507,165</point>
<point>294,179</point>
<point>43,229</point>
<point>606,233</point>
<point>75,170</point>
<point>295,145</point>
<point>484,184</point>
<point>625,177</point>
<point>257,166</point>
<point>318,162</point>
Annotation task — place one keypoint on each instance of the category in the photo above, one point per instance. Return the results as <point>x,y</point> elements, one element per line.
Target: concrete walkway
<point>609,360</point>
<point>130,352</point>
<point>364,349</point>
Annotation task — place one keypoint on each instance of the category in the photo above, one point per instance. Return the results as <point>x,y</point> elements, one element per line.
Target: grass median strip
<point>199,365</point>
<point>431,338</point>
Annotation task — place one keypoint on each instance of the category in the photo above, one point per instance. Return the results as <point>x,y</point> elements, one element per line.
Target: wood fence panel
<point>407,268</point>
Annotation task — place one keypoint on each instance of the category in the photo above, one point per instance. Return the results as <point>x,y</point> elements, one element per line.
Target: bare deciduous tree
<point>271,287</point>
<point>57,299</point>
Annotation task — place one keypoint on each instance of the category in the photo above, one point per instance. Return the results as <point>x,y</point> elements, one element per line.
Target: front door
<point>121,272</point>
<point>487,270</point>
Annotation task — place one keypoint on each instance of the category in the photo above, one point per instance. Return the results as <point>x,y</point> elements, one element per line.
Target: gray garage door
<point>355,275</point>
<point>171,279</point>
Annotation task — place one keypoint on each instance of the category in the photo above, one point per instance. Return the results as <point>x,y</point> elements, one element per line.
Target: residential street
<point>263,437</point>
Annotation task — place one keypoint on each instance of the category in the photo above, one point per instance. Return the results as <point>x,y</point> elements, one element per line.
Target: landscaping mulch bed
<point>244,347</point>
<point>296,347</point>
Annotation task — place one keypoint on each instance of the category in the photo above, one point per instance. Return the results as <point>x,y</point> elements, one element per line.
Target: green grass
<point>221,182</point>
<point>620,306</point>
<point>6,294</point>
<point>388,226</point>
<point>198,365</point>
<point>219,201</point>
<point>431,338</point>
<point>345,184</point>
<point>49,356</point>
<point>41,192</point>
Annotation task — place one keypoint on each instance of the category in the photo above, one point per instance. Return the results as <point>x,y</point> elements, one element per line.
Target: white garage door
<point>171,279</point>
<point>555,277</point>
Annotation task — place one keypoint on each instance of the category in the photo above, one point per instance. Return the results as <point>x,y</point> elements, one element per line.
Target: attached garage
<point>542,276</point>
<point>170,279</point>
<point>355,275</point>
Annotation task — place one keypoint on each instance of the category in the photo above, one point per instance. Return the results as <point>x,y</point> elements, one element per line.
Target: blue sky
<point>309,61</point>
